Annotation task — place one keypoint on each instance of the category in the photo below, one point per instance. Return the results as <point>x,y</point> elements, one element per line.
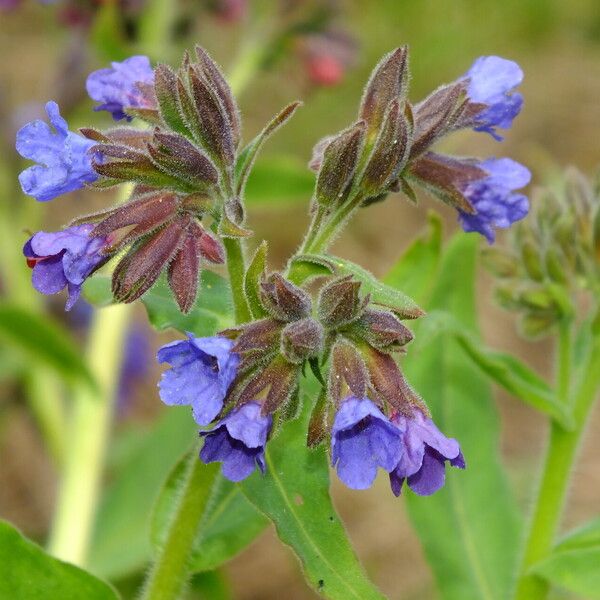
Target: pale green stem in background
<point>248,62</point>
<point>89,427</point>
<point>560,457</point>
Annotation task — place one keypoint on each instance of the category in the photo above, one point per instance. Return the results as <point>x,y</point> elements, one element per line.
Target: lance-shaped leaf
<point>389,153</point>
<point>294,494</point>
<point>27,572</point>
<point>445,177</point>
<point>178,157</point>
<point>141,266</point>
<point>384,295</point>
<point>254,273</point>
<point>247,156</point>
<point>212,120</point>
<point>389,81</point>
<point>436,115</point>
<point>215,77</point>
<point>471,554</point>
<point>165,86</point>
<point>339,165</point>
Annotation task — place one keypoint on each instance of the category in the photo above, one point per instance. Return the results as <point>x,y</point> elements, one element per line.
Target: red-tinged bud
<point>319,425</point>
<point>388,381</point>
<point>184,270</point>
<point>340,302</point>
<point>302,340</point>
<point>258,339</point>
<point>211,248</point>
<point>141,266</point>
<point>381,329</point>
<point>339,165</point>
<point>389,81</point>
<point>283,300</point>
<point>437,115</point>
<point>272,385</point>
<point>348,372</point>
<point>445,177</point>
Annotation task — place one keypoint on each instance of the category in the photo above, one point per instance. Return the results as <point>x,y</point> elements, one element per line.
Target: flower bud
<point>382,329</point>
<point>283,300</point>
<point>301,340</point>
<point>339,302</point>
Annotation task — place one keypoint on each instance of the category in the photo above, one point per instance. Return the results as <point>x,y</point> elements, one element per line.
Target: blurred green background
<point>558,45</point>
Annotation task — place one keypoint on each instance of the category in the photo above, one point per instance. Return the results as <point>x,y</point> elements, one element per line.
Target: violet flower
<point>362,440</point>
<point>494,199</point>
<point>492,81</point>
<point>64,259</point>
<point>121,86</point>
<point>238,441</point>
<point>202,371</point>
<point>65,161</point>
<point>424,453</point>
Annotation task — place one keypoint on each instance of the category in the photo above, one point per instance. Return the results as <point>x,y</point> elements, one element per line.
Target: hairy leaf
<point>27,573</point>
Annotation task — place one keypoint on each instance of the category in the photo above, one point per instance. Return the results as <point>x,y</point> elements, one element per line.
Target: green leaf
<point>254,272</point>
<point>121,544</point>
<point>28,573</point>
<point>211,313</point>
<point>41,339</point>
<point>470,529</point>
<point>587,535</point>
<point>279,180</point>
<point>231,522</point>
<point>294,494</point>
<point>504,369</point>
<point>415,272</point>
<point>248,155</point>
<point>382,294</point>
<point>575,570</point>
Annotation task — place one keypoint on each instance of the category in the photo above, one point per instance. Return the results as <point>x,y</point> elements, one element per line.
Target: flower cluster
<point>552,257</point>
<point>389,148</point>
<point>182,168</point>
<point>367,409</point>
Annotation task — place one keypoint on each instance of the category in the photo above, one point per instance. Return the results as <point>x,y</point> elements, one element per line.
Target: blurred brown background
<point>558,45</point>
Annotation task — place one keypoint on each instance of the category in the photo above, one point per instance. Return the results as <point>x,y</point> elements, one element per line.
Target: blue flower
<point>492,81</point>
<point>122,86</point>
<point>493,197</point>
<point>238,441</point>
<point>64,259</point>
<point>424,452</point>
<point>363,439</point>
<point>202,371</point>
<point>65,163</point>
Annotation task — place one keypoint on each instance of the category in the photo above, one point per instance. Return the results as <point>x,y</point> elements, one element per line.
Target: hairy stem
<point>87,438</point>
<point>236,269</point>
<point>170,572</point>
<point>560,457</point>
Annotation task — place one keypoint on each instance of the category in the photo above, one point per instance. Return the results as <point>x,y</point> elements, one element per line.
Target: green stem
<point>236,270</point>
<point>564,359</point>
<point>171,569</point>
<point>560,457</point>
<point>247,64</point>
<point>88,433</point>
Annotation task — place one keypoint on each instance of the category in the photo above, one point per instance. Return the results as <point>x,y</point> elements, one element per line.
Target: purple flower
<point>122,86</point>
<point>363,439</point>
<point>492,81</point>
<point>135,364</point>
<point>65,163</point>
<point>424,452</point>
<point>202,371</point>
<point>64,259</point>
<point>238,441</point>
<point>493,197</point>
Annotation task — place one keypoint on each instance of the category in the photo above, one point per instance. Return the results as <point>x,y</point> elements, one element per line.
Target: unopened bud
<point>283,300</point>
<point>301,340</point>
<point>339,302</point>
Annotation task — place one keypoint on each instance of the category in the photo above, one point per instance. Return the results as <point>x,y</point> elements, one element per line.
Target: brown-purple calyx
<point>283,300</point>
<point>381,329</point>
<point>340,302</point>
<point>301,340</point>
